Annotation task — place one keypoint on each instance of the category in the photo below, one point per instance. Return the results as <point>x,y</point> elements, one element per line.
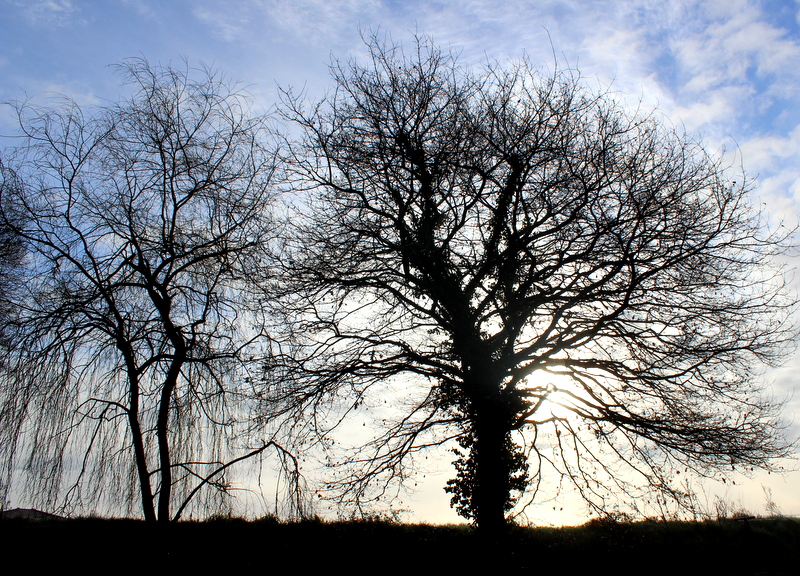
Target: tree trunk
<point>492,466</point>
<point>163,302</point>
<point>162,432</point>
<point>148,507</point>
<point>140,456</point>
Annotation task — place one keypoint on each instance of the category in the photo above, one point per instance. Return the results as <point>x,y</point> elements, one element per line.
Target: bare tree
<point>577,292</point>
<point>142,342</point>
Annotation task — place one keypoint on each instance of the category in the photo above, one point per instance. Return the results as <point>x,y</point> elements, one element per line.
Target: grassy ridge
<point>760,546</point>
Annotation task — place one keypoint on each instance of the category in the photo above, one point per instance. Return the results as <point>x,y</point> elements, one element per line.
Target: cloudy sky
<point>726,70</point>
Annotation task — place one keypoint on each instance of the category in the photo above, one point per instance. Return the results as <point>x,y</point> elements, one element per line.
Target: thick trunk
<point>492,466</point>
<point>486,479</point>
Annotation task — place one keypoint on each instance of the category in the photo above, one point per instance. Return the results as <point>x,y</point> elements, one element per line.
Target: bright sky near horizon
<point>726,70</point>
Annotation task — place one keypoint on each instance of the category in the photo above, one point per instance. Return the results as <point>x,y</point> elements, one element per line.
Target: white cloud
<point>228,25</point>
<point>773,164</point>
<point>315,22</point>
<point>735,46</point>
<point>771,153</point>
<point>698,115</point>
<point>142,8</point>
<point>45,93</point>
<point>321,21</point>
<point>47,12</point>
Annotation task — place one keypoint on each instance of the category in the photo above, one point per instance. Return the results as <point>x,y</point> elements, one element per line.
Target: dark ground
<point>759,546</point>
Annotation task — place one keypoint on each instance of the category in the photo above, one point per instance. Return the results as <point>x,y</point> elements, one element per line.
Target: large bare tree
<point>579,292</point>
<point>142,343</point>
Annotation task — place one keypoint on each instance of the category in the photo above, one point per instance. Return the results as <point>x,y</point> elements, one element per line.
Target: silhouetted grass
<point>760,546</point>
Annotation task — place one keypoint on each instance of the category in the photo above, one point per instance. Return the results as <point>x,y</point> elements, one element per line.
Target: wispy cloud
<point>321,21</point>
<point>142,8</point>
<point>315,22</point>
<point>228,20</point>
<point>732,49</point>
<point>46,12</point>
<point>739,47</point>
<point>775,161</point>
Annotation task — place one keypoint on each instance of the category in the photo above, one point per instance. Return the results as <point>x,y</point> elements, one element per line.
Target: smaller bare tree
<point>142,343</point>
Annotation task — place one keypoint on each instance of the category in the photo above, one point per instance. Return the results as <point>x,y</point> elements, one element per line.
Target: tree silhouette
<point>578,291</point>
<point>143,338</point>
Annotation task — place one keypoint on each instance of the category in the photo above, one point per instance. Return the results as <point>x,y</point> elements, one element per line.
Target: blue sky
<point>726,70</point>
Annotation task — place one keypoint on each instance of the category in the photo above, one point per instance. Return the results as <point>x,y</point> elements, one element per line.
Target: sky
<point>727,71</point>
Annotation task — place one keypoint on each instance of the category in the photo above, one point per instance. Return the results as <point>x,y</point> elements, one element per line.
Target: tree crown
<point>552,265</point>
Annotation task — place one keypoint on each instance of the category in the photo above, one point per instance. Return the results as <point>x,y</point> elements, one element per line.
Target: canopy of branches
<point>581,290</point>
